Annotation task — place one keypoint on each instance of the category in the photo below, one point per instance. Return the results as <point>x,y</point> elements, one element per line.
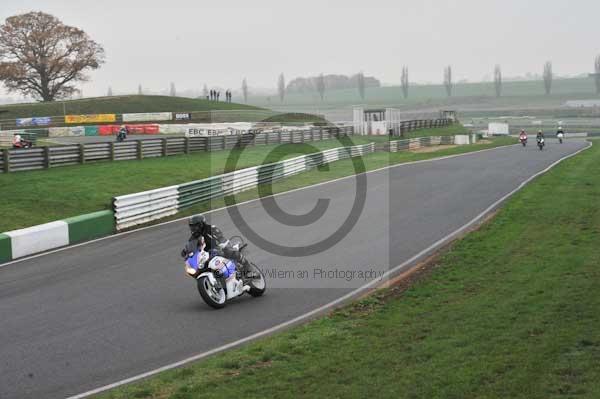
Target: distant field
<point>466,96</point>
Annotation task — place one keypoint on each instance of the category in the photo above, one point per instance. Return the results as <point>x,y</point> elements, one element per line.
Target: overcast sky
<point>221,42</point>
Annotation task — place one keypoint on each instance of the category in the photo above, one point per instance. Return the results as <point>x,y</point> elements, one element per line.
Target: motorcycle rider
<point>523,135</point>
<point>211,236</point>
<point>123,132</point>
<point>560,133</point>
<point>540,137</point>
<point>19,142</point>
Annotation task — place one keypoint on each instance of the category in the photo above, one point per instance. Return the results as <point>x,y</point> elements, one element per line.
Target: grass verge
<point>509,311</point>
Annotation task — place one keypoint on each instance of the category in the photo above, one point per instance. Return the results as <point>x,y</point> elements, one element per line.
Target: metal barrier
<point>411,144</point>
<point>139,208</point>
<point>14,160</point>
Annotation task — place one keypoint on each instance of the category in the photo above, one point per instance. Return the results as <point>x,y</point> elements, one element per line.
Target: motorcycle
<point>560,137</point>
<point>541,143</point>
<point>523,141</point>
<point>121,136</point>
<point>220,279</point>
<point>23,145</point>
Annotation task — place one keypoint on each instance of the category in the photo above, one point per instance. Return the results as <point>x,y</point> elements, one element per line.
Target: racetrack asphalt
<point>88,316</point>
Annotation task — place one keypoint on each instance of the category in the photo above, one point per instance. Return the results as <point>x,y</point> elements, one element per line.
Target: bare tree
<point>245,90</point>
<point>360,83</point>
<point>140,91</point>
<point>281,87</point>
<point>448,80</point>
<point>597,73</point>
<point>320,85</point>
<point>205,91</point>
<point>172,91</point>
<point>43,58</point>
<point>498,80</point>
<point>109,92</point>
<point>548,77</point>
<point>404,81</point>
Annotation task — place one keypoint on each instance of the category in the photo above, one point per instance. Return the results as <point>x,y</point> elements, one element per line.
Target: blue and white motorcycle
<point>220,279</point>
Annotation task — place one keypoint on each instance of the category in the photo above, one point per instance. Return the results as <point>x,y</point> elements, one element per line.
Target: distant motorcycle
<point>541,143</point>
<point>560,137</point>
<point>523,140</point>
<point>121,136</point>
<point>220,279</point>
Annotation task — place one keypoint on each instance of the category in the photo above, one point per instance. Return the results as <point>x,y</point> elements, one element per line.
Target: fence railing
<point>139,208</point>
<point>409,126</point>
<point>411,144</point>
<point>14,160</point>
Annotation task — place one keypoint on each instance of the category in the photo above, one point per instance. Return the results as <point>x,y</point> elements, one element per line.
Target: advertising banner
<point>182,116</point>
<point>90,118</point>
<point>35,121</point>
<point>147,116</point>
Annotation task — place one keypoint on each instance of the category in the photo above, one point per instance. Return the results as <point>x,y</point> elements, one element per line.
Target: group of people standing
<point>215,95</point>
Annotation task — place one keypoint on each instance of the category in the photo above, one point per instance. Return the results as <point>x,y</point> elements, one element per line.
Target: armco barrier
<point>47,157</point>
<point>18,243</point>
<point>139,208</point>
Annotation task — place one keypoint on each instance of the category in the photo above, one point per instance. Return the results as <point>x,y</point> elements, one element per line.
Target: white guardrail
<point>139,208</point>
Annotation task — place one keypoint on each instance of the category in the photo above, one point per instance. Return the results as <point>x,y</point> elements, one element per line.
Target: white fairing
<point>235,287</point>
<point>217,263</point>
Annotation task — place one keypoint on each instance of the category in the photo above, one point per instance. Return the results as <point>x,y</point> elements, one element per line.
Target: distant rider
<point>540,136</point>
<point>19,142</point>
<point>123,132</point>
<point>523,135</point>
<point>560,133</point>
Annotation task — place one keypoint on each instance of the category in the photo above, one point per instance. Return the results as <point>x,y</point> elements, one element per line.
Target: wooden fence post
<point>112,150</point>
<point>6,160</point>
<point>164,147</point>
<point>140,154</point>
<point>81,153</point>
<point>47,157</point>
<point>186,145</point>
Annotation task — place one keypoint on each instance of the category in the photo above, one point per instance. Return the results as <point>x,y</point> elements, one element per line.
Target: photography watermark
<point>287,219</point>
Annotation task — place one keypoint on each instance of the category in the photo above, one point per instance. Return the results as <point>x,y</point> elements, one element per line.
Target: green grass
<point>36,197</point>
<point>510,311</point>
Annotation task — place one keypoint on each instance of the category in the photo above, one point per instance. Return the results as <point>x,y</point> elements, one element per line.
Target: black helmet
<point>197,223</point>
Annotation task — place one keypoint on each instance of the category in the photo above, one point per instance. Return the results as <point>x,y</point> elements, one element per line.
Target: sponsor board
<point>182,116</point>
<point>90,118</point>
<point>147,116</point>
<point>35,121</point>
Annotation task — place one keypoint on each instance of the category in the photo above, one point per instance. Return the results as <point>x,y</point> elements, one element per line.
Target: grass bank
<point>510,311</point>
<point>116,104</point>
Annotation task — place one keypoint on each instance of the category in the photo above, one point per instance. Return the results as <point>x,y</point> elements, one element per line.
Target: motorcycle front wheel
<point>213,297</point>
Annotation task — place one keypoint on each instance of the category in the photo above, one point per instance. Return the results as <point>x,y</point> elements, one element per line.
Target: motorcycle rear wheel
<point>213,298</point>
<point>257,284</point>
